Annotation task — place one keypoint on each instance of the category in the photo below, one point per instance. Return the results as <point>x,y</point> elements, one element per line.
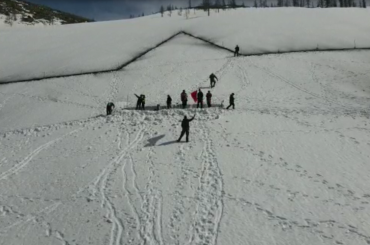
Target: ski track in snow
<point>309,225</point>
<point>209,203</point>
<point>18,167</point>
<point>31,217</point>
<point>131,192</point>
<point>179,208</point>
<point>101,185</point>
<point>151,208</point>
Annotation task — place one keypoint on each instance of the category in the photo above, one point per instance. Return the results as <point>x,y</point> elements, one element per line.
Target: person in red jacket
<point>209,96</point>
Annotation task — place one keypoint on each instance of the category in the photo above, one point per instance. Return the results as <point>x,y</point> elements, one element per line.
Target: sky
<point>101,10</point>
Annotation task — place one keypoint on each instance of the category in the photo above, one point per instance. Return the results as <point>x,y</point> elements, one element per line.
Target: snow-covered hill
<point>290,165</point>
<point>14,13</point>
<point>99,46</point>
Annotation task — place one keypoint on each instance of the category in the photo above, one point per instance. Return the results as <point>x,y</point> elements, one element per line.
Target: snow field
<point>288,166</point>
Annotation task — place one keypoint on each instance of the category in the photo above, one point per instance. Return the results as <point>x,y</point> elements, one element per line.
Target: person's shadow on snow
<point>153,141</point>
<point>171,142</point>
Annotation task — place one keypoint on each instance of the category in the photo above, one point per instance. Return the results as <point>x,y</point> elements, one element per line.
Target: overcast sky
<point>110,9</point>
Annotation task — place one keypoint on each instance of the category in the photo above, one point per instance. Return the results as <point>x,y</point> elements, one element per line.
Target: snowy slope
<point>99,46</point>
<point>288,166</point>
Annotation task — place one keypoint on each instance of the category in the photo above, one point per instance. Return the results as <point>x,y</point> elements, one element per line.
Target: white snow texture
<point>289,165</point>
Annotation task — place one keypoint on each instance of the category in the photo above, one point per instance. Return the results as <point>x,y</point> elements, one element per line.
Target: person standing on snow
<point>236,53</point>
<point>184,99</point>
<point>212,78</point>
<point>139,100</point>
<point>209,96</point>
<point>143,102</point>
<point>185,128</point>
<point>110,107</point>
<point>231,100</point>
<point>169,102</point>
<point>200,99</point>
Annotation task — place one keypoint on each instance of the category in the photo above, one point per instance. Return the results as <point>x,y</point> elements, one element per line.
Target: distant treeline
<point>216,5</point>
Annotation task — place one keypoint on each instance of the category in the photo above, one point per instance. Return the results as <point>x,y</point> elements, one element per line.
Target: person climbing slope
<point>213,79</point>
<point>185,125</point>
<point>110,107</point>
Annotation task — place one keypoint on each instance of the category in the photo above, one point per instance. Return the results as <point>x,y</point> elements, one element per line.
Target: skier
<point>185,128</point>
<point>184,99</point>
<point>110,107</point>
<point>236,53</point>
<point>139,100</point>
<point>169,102</point>
<point>209,96</point>
<point>212,78</point>
<point>143,102</point>
<point>231,101</point>
<point>200,99</point>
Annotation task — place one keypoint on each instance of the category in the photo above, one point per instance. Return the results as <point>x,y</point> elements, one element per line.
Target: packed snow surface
<point>61,50</point>
<point>290,165</point>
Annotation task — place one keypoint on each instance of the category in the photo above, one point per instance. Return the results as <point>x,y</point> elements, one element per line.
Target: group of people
<point>185,124</point>
<point>140,104</point>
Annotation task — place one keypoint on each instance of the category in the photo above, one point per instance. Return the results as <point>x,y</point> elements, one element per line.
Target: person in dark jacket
<point>143,102</point>
<point>200,99</point>
<point>231,100</point>
<point>184,99</point>
<point>213,79</point>
<point>110,107</point>
<point>139,100</point>
<point>209,97</point>
<point>185,128</point>
<point>236,53</point>
<point>169,102</point>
